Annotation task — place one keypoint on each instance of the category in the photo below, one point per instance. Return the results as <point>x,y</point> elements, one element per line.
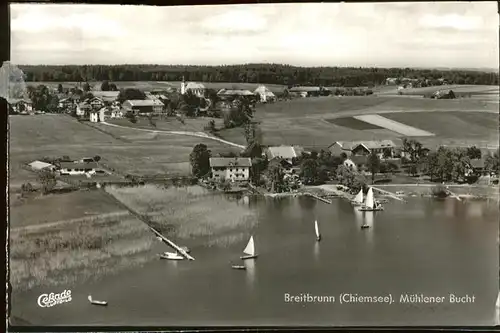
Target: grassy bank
<point>188,213</point>
<point>68,252</point>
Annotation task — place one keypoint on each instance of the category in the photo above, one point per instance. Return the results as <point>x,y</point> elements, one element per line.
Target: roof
<point>84,105</point>
<point>194,85</point>
<point>230,161</point>
<point>107,96</point>
<point>477,163</point>
<point>39,165</point>
<point>281,151</point>
<point>19,100</point>
<point>376,144</point>
<point>303,89</point>
<point>143,102</point>
<point>73,165</point>
<point>239,92</point>
<point>345,145</point>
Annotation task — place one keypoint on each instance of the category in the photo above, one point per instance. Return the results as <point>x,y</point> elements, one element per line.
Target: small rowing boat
<point>241,267</point>
<point>171,256</point>
<point>95,302</point>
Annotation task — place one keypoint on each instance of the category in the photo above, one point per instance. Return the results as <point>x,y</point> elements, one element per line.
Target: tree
<point>105,86</point>
<point>59,88</point>
<point>276,177</point>
<point>224,185</point>
<point>492,162</point>
<point>259,164</point>
<point>200,160</point>
<point>309,171</point>
<point>47,180</point>
<point>130,94</point>
<point>151,120</point>
<point>210,127</point>
<point>350,178</point>
<point>97,158</point>
<point>473,152</point>
<point>373,164</point>
<point>86,87</point>
<point>113,87</point>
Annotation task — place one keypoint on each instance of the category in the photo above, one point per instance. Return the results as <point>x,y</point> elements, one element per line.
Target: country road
<point>195,134</point>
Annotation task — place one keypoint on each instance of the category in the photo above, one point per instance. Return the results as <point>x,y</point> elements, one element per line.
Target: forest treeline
<point>250,73</point>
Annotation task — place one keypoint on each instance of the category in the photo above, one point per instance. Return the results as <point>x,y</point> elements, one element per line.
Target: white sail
<point>250,249</point>
<point>369,199</point>
<point>359,197</point>
<point>316,228</point>
<point>498,301</point>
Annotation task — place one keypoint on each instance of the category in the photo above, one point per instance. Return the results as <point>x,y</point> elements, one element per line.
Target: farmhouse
<point>147,106</point>
<point>339,147</point>
<point>95,102</point>
<point>83,109</point>
<point>65,103</point>
<point>265,94</point>
<point>72,168</point>
<point>476,167</point>
<point>287,153</point>
<point>381,148</point>
<point>108,97</point>
<point>231,168</point>
<point>232,93</point>
<point>21,105</point>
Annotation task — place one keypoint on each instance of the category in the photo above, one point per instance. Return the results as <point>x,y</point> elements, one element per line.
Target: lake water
<point>425,246</point>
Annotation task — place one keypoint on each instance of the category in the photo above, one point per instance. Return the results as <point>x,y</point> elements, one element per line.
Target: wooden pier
<point>318,198</point>
<point>390,194</point>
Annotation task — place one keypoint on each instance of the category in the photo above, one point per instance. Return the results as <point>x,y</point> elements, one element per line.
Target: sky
<point>432,34</point>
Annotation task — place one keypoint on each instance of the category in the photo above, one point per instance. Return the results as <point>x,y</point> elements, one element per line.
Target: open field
<point>60,207</point>
<point>353,123</point>
<point>149,85</point>
<point>392,125</point>
<point>71,251</point>
<point>126,150</point>
<point>314,122</point>
<point>457,88</point>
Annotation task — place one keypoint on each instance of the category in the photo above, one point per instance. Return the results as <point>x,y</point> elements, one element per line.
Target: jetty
<point>453,195</point>
<point>390,194</point>
<point>318,198</point>
<point>145,220</point>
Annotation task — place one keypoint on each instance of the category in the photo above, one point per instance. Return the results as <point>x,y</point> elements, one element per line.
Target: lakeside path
<point>187,133</point>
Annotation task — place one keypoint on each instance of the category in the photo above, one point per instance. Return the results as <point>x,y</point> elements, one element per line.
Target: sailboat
<point>498,301</point>
<point>318,235</point>
<point>370,204</point>
<point>249,250</point>
<point>358,199</point>
<point>102,303</point>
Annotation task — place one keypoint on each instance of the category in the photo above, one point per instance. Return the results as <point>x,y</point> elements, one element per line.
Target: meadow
<point>126,151</point>
<point>460,90</point>
<point>318,122</point>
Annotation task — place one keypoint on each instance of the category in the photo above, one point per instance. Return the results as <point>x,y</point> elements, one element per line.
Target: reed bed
<point>188,212</point>
<point>77,251</point>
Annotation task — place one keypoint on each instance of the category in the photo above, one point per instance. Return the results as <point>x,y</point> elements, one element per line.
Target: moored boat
<point>358,199</point>
<point>249,250</point>
<point>370,204</point>
<point>241,267</point>
<point>171,256</point>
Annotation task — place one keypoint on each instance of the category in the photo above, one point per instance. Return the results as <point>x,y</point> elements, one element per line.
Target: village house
<point>143,107</point>
<point>83,109</point>
<point>476,167</point>
<point>95,102</point>
<point>288,153</point>
<point>39,165</point>
<point>265,95</point>
<point>72,168</point>
<point>66,103</point>
<point>339,147</point>
<point>381,148</point>
<point>108,97</point>
<point>232,93</point>
<point>230,168</point>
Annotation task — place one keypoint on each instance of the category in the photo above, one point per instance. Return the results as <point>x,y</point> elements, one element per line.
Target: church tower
<point>183,86</point>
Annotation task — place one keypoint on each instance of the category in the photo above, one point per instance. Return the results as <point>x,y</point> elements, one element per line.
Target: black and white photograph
<point>253,165</point>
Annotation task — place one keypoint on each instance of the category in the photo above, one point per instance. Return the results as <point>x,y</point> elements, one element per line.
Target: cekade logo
<point>49,300</point>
